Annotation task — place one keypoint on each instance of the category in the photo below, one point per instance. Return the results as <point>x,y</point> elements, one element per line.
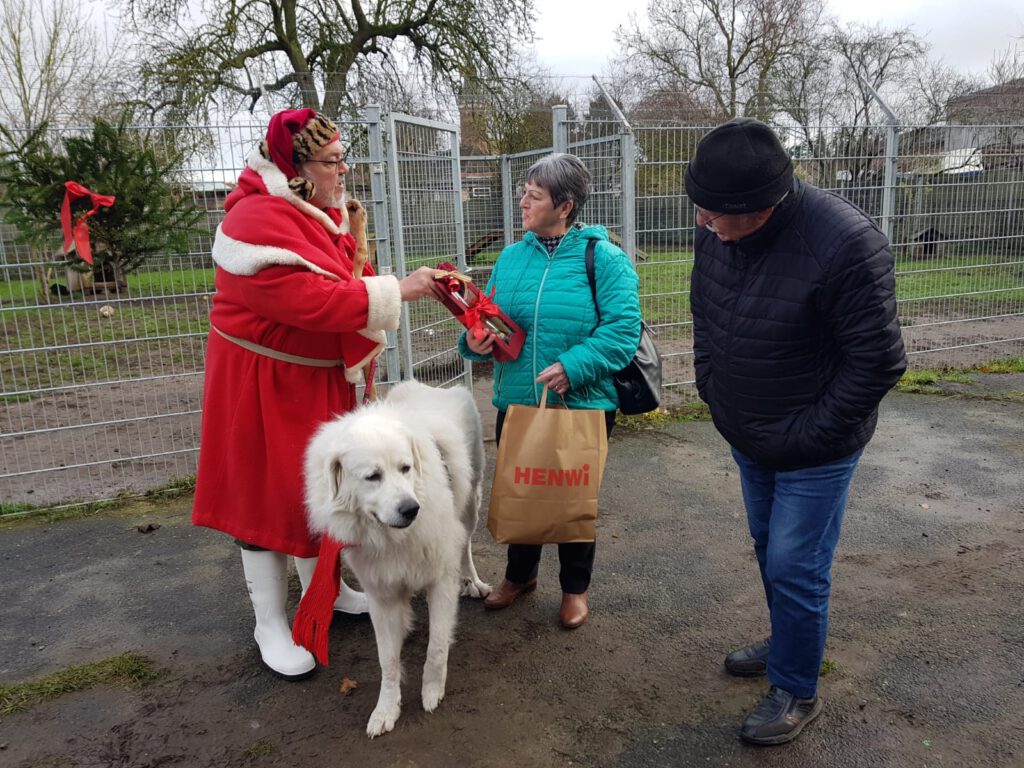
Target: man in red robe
<point>292,330</point>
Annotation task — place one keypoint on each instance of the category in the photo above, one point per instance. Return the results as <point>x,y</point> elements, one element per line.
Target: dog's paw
<point>433,692</point>
<point>356,214</point>
<point>475,588</point>
<point>382,720</point>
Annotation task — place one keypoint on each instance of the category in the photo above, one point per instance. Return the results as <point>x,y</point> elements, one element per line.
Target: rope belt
<point>284,357</point>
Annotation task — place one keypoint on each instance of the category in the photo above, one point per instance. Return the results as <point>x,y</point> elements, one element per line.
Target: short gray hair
<point>565,177</point>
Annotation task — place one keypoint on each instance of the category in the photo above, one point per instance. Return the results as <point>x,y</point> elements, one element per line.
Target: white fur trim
<point>385,303</point>
<point>241,258</point>
<point>354,373</point>
<point>277,184</point>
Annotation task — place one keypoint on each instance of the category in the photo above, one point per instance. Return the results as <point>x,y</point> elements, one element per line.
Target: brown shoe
<point>574,610</point>
<point>506,594</point>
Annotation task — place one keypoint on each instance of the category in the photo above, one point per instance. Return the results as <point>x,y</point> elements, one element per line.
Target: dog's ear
<point>417,455</point>
<point>335,477</point>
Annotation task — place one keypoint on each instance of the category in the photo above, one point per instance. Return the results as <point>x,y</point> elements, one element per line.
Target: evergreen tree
<point>152,214</point>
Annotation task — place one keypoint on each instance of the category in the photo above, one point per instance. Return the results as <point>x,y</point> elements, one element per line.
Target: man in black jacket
<point>796,340</point>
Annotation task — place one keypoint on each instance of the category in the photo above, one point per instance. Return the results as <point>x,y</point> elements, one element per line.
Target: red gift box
<point>476,310</point>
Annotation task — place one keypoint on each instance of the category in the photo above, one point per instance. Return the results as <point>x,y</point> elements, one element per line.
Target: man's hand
<point>418,284</point>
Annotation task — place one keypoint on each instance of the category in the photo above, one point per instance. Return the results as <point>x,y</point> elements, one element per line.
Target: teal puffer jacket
<point>549,297</point>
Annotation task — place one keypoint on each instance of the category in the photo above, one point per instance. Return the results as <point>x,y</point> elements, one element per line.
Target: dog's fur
<point>401,479</point>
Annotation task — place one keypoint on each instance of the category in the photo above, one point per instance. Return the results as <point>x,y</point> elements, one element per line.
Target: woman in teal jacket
<point>541,283</point>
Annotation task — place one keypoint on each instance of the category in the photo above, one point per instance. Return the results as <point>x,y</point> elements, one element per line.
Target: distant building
<point>990,123</point>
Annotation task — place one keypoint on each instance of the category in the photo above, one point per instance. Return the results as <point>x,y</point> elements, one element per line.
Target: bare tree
<point>48,49</point>
<point>936,85</point>
<point>1007,65</point>
<point>316,52</point>
<point>724,54</point>
<point>512,114</point>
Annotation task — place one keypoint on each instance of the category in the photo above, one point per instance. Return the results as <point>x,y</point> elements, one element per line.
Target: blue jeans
<point>794,518</point>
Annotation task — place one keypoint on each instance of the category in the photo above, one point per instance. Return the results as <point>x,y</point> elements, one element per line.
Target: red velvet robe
<point>284,281</point>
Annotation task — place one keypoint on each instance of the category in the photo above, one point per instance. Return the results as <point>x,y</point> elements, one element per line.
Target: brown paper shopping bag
<point>547,477</point>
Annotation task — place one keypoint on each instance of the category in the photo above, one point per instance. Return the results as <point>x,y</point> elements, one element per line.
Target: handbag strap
<point>588,257</point>
<point>591,278</point>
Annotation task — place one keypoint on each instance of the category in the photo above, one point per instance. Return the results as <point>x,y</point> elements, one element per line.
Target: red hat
<point>294,135</point>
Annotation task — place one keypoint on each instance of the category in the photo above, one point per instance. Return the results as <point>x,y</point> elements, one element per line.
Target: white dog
<point>401,479</point>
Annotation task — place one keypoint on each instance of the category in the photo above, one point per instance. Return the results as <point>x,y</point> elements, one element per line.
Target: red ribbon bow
<point>79,233</point>
<point>481,309</point>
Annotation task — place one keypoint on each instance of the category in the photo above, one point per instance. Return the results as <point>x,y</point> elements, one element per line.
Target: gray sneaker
<point>779,718</point>
<point>749,661</point>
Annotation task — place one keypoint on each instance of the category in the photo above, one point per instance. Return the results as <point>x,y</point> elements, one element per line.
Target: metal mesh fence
<point>424,179</point>
<point>100,386</point>
<point>954,212</point>
<point>101,379</point>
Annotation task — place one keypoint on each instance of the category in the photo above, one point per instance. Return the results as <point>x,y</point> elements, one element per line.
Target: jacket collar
<point>780,218</point>
<point>577,230</point>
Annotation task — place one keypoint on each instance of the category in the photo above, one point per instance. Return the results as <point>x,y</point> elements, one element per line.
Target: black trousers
<point>575,560</point>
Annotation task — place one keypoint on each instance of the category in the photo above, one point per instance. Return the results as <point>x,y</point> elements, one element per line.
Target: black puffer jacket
<point>796,338</point>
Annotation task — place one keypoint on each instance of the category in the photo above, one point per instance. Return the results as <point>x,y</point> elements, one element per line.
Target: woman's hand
<point>480,346</point>
<point>418,284</point>
<point>555,377</point>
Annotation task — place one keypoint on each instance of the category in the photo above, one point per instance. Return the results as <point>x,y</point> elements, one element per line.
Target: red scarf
<point>316,609</point>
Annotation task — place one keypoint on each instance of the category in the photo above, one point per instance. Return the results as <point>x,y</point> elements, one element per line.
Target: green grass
<point>138,327</point>
<point>149,284</point>
<point>126,501</point>
<point>696,411</point>
<point>11,510</point>
<point>258,749</point>
<point>828,666</point>
<point>129,670</point>
<point>952,276</point>
<point>1013,364</point>
<point>925,286</point>
<point>926,381</point>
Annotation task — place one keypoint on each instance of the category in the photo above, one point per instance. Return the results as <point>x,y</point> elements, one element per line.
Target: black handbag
<point>639,383</point>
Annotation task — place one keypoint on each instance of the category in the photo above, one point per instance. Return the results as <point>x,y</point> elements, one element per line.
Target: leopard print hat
<point>294,135</point>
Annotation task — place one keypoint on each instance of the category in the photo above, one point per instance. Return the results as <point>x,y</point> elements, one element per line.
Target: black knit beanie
<point>739,167</point>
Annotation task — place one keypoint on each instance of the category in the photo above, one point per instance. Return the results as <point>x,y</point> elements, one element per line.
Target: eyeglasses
<point>335,165</point>
<point>707,218</point>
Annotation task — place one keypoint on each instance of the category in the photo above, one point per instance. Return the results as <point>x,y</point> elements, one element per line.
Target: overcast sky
<point>574,37</point>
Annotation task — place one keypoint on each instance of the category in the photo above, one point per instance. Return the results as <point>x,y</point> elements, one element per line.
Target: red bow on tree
<point>79,233</point>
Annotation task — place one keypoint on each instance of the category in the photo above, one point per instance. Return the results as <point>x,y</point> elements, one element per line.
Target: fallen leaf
<point>347,686</point>
<point>147,528</point>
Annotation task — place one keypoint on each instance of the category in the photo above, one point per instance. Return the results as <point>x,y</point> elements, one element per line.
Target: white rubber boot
<point>266,578</point>
<point>349,601</point>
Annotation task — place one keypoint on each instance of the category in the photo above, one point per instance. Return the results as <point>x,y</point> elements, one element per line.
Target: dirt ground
<point>924,656</point>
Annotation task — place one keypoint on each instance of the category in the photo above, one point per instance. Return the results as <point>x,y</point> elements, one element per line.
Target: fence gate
<point>425,190</point>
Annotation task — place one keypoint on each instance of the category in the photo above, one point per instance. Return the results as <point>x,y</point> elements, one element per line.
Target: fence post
<point>460,228</point>
<point>627,146</point>
<point>381,223</point>
<point>560,128</point>
<point>889,180</point>
<point>397,229</point>
<point>506,196</point>
<point>892,129</point>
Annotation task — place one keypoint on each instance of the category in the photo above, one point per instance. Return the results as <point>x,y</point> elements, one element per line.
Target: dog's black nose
<point>409,509</point>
